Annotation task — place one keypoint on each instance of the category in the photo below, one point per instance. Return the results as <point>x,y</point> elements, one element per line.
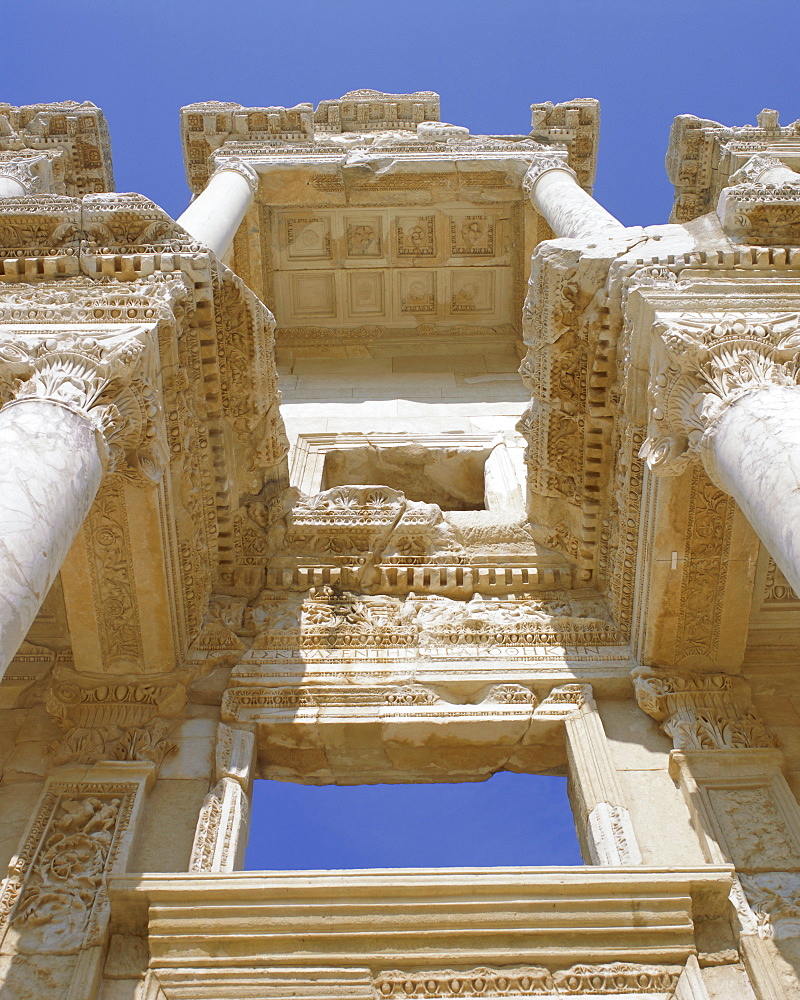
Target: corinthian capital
<point>701,711</point>
<point>702,365</point>
<point>106,375</point>
<point>32,170</point>
<point>543,163</point>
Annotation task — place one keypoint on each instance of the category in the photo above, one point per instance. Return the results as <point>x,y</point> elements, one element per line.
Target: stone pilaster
<point>729,771</point>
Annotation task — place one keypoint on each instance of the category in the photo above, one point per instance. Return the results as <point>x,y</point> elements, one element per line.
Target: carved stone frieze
<point>701,711</point>
<point>327,618</point>
<point>703,365</point>
<point>583,980</point>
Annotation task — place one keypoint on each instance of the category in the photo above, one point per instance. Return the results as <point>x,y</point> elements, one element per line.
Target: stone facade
<point>397,458</point>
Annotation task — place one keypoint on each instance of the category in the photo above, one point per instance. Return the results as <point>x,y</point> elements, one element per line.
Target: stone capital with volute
<point>25,172</point>
<point>725,388</point>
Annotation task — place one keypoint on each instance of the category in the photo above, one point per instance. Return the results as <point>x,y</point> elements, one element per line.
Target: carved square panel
<point>365,293</point>
<point>308,238</point>
<point>416,235</point>
<point>417,291</point>
<point>313,294</point>
<point>472,290</point>
<point>472,234</point>
<point>364,237</point>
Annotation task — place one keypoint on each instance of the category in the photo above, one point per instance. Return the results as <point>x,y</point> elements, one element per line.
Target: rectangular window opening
<point>509,820</point>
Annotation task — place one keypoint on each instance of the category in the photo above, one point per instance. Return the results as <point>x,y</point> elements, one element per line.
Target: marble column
<point>570,212</point>
<point>217,212</point>
<point>754,454</point>
<point>81,404</point>
<point>727,391</point>
<point>50,471</point>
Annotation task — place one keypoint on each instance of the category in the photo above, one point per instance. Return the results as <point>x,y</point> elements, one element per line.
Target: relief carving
<point>586,980</point>
<point>341,619</point>
<point>774,899</point>
<point>118,717</point>
<point>703,366</point>
<point>701,711</point>
<point>54,901</point>
<point>754,828</point>
<point>106,376</point>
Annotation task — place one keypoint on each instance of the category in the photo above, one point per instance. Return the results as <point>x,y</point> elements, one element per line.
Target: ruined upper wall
<point>73,137</point>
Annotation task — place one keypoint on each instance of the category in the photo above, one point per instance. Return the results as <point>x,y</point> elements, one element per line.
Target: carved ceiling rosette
<point>702,365</point>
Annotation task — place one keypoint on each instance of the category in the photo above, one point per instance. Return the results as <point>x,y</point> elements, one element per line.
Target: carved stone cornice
<point>107,375</point>
<point>763,212</point>
<point>702,365</point>
<point>703,155</point>
<point>701,711</point>
<point>575,124</point>
<point>76,134</point>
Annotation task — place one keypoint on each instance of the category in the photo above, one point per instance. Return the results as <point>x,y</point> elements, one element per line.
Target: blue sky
<point>511,819</point>
<point>646,61</point>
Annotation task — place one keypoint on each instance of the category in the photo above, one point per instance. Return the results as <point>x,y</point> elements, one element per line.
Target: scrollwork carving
<point>55,899</point>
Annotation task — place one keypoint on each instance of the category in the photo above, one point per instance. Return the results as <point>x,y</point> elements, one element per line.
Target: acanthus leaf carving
<point>126,717</point>
<point>703,364</point>
<point>103,374</point>
<point>774,899</point>
<point>701,711</point>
